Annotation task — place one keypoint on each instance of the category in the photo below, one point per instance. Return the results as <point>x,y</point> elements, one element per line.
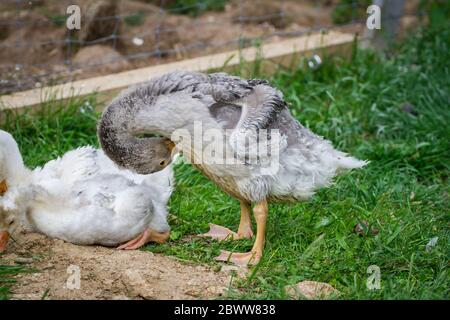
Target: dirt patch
<point>106,273</point>
<point>37,49</point>
<point>103,58</point>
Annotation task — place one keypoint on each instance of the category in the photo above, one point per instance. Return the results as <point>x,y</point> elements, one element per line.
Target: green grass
<point>6,278</point>
<point>403,192</point>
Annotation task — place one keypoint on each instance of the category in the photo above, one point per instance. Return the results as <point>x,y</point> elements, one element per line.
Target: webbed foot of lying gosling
<point>149,235</point>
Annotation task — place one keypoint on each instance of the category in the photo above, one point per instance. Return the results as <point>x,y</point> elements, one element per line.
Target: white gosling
<point>82,198</point>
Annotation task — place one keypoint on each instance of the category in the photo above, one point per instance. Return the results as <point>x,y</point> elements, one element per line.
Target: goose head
<point>128,140</point>
<point>12,172</point>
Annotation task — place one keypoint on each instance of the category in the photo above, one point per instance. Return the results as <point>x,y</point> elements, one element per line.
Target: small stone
<point>311,290</point>
<point>22,260</point>
<point>138,41</point>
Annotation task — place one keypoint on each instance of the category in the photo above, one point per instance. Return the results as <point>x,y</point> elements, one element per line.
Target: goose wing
<point>247,106</point>
<point>260,102</point>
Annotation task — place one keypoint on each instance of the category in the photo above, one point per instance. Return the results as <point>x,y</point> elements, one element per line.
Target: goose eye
<point>162,162</point>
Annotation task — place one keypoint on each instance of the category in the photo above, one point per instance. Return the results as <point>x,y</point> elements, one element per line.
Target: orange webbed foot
<point>219,233</point>
<point>240,259</point>
<point>149,235</point>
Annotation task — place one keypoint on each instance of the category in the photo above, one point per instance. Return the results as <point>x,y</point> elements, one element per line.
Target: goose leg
<point>260,212</point>
<point>245,227</point>
<point>149,235</point>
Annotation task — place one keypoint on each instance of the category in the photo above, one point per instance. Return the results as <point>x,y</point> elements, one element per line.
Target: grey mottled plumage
<point>178,104</point>
<point>178,99</point>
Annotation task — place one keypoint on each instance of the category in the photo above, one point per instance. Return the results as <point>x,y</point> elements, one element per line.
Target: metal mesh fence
<point>37,48</point>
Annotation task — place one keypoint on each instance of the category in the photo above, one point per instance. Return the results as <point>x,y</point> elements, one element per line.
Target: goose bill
<point>3,187</point>
<point>4,237</point>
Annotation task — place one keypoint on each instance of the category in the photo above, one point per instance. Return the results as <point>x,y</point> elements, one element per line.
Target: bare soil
<point>34,47</point>
<point>106,273</point>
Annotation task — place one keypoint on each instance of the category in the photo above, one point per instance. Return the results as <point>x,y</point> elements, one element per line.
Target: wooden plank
<point>277,51</point>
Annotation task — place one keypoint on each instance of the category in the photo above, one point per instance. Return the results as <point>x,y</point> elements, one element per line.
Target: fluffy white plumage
<point>83,197</point>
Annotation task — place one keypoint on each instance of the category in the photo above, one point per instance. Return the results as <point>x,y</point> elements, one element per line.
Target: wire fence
<point>37,48</point>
